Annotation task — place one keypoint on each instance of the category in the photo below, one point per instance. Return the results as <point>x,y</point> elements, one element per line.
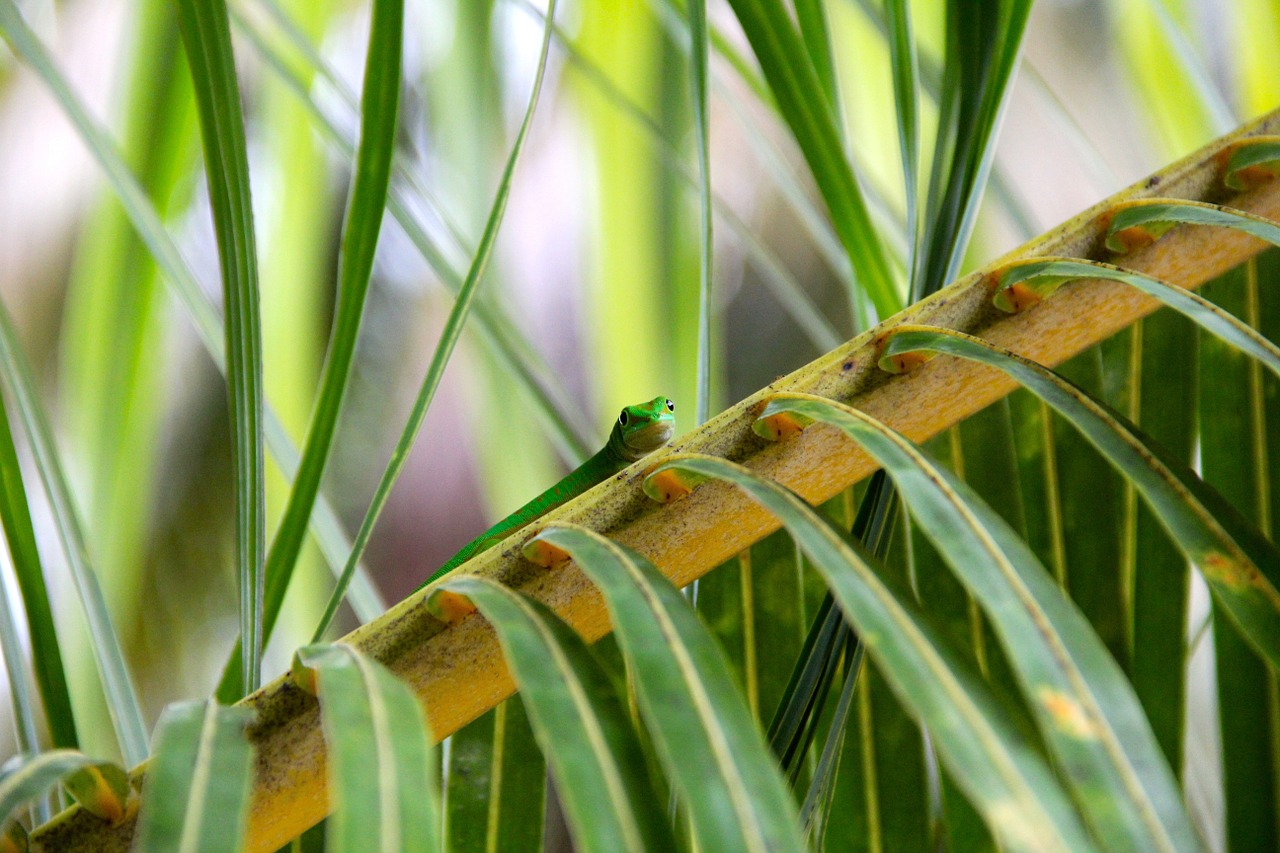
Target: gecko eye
<point>624,418</point>
<point>671,407</point>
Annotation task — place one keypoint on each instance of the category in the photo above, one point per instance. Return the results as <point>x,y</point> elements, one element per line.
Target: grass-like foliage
<point>372,274</point>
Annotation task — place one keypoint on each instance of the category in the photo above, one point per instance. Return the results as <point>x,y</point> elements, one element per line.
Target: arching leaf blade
<point>1001,772</point>
<point>580,722</point>
<point>101,788</point>
<point>1253,161</point>
<point>29,775</point>
<point>1084,706</point>
<point>1027,282</point>
<point>706,737</point>
<point>1241,565</point>
<point>196,794</point>
<point>46,653</point>
<point>383,788</point>
<point>1142,221</point>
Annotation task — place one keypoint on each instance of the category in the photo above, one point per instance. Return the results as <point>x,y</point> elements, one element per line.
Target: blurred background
<point>590,304</point>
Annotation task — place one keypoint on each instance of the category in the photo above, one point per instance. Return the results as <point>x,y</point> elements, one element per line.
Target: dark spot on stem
<point>848,365</point>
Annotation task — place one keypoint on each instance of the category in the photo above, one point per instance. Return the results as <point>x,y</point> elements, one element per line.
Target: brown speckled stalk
<point>459,672</point>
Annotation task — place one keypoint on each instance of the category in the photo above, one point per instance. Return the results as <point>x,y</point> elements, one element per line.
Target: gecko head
<point>644,427</point>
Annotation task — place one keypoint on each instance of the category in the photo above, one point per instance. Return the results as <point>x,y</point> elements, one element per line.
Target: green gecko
<point>638,431</point>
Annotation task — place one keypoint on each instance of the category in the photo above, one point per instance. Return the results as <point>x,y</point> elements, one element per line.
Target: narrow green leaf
<point>496,783</point>
<point>820,798</point>
<point>122,700</point>
<point>811,17</point>
<point>580,722</point>
<point>1142,221</point>
<point>886,788</point>
<point>1092,540</point>
<point>409,193</point>
<point>793,723</point>
<point>470,765</point>
<point>1025,282</point>
<point>1240,565</point>
<point>206,34</point>
<point>26,712</point>
<point>906,73</point>
<point>196,794</point>
<point>383,788</point>
<point>937,588</point>
<point>706,736</point>
<point>1234,395</point>
<point>113,367</point>
<point>1084,706</point>
<point>983,43</point>
<point>780,280</point>
<point>46,654</point>
<point>1039,481</point>
<point>1001,772</point>
<point>702,127</point>
<point>142,215</point>
<point>25,776</point>
<point>1166,373</point>
<point>803,103</point>
<point>361,226</point>
<point>796,720</point>
<point>448,339</point>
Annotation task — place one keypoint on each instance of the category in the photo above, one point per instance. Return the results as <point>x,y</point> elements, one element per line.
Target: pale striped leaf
<point>999,769</point>
<point>381,782</point>
<point>1023,283</point>
<point>1086,709</point>
<point>706,737</point>
<point>1140,222</point>
<point>196,796</point>
<point>1240,565</point>
<point>580,722</point>
<point>26,775</point>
